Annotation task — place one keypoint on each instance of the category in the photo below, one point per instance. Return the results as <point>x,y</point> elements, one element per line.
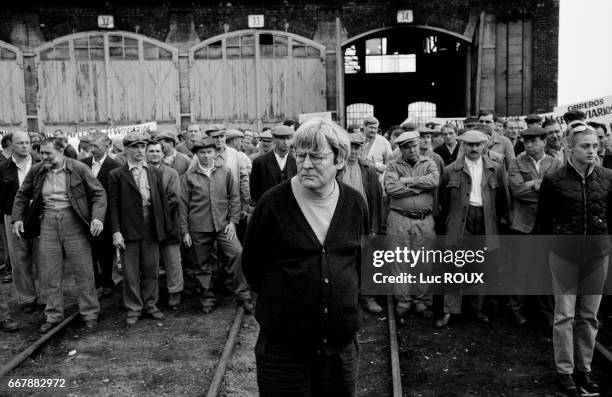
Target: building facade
<point>63,66</point>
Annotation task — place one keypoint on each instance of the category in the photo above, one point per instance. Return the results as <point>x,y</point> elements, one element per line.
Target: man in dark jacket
<point>302,256</point>
<point>102,249</point>
<point>61,200</point>
<point>140,218</point>
<point>23,252</point>
<point>275,166</point>
<point>577,200</point>
<point>450,148</point>
<point>473,200</point>
<point>170,248</point>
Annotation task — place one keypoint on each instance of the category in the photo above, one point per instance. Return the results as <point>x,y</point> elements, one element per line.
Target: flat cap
<point>470,120</point>
<point>215,132</point>
<point>406,137</point>
<point>266,135</point>
<point>234,133</point>
<point>534,131</point>
<point>86,138</point>
<point>282,130</point>
<point>202,144</point>
<point>167,135</point>
<point>356,138</point>
<point>533,118</point>
<point>425,131</point>
<point>473,136</point>
<point>574,115</point>
<point>408,126</point>
<point>136,137</point>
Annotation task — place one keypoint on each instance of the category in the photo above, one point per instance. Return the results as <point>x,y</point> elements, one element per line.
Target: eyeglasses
<point>315,158</point>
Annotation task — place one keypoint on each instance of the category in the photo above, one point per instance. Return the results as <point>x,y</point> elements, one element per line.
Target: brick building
<point>177,61</point>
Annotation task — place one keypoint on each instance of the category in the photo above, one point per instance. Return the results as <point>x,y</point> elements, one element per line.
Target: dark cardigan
<point>308,293</point>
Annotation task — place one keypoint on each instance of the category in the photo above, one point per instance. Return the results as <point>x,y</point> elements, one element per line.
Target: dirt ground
<point>178,356</point>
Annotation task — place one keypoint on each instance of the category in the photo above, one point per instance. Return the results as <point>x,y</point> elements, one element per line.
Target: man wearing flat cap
<point>274,167</point>
<point>473,201</point>
<point>362,176</point>
<point>266,144</point>
<point>410,182</point>
<point>525,176</point>
<point>210,212</point>
<point>102,249</point>
<point>172,158</point>
<point>140,219</point>
<point>533,120</point>
<point>233,139</point>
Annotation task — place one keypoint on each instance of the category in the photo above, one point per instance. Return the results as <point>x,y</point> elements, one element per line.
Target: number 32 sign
<point>106,22</point>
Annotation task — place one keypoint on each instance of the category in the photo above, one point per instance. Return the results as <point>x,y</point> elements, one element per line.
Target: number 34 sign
<point>404,16</point>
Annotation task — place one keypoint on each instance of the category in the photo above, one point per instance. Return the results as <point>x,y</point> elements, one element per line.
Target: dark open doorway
<point>387,72</point>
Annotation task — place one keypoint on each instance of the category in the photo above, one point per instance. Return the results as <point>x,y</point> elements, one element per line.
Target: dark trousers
<point>281,372</point>
<point>103,254</point>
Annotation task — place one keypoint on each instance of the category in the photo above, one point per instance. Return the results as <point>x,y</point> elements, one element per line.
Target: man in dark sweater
<point>302,256</point>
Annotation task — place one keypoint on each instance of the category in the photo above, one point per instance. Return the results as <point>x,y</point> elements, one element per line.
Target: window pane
<point>280,40</point>
<point>116,52</point>
<point>150,51</point>
<point>233,52</point>
<point>201,53</point>
<point>391,63</point>
<point>357,112</point>
<point>215,51</point>
<point>248,51</point>
<point>96,54</point>
<point>266,50</point>
<point>96,41</point>
<point>62,53</point>
<point>129,42</point>
<point>374,46</point>
<point>232,41</point>
<point>351,61</point>
<point>6,54</point>
<point>421,112</point>
<point>131,53</point>
<point>280,50</point>
<point>248,40</point>
<point>164,54</point>
<point>299,51</point>
<point>81,42</point>
<point>81,54</point>
<point>115,41</point>
<point>313,52</point>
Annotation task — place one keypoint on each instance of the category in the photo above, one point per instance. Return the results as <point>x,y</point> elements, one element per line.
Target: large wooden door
<point>255,77</point>
<point>107,78</point>
<point>12,87</point>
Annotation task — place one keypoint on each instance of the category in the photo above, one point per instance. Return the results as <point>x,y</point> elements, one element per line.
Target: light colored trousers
<point>575,318</point>
<point>24,258</point>
<point>171,257</point>
<point>414,234</point>
<point>64,244</point>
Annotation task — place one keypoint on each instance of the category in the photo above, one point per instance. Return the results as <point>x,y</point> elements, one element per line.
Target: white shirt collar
<point>101,160</point>
<point>28,160</point>
<point>131,165</point>
<point>471,163</point>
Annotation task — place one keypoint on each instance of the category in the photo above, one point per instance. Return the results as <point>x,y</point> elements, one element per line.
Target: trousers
<point>281,372</point>
<point>65,244</point>
<point>24,258</point>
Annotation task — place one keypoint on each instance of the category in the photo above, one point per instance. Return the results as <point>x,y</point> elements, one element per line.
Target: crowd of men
<point>180,205</point>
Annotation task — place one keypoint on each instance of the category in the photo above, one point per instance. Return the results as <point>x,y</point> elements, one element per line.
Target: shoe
<point>584,381</point>
<point>29,307</point>
<point>156,315</point>
<point>482,318</point>
<point>7,278</point>
<point>131,320</point>
<point>567,383</point>
<point>9,325</point>
<point>46,327</point>
<point>174,299</point>
<point>373,306</point>
<point>519,319</point>
<point>443,322</point>
<point>91,324</point>
<point>247,306</point>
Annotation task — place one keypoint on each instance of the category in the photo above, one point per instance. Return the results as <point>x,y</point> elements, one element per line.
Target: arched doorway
<point>101,78</point>
<point>12,87</point>
<point>392,68</point>
<point>250,78</point>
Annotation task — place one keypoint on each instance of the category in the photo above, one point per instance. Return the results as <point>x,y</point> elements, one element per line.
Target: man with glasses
<point>575,201</point>
<point>274,167</point>
<point>302,256</point>
<point>193,135</point>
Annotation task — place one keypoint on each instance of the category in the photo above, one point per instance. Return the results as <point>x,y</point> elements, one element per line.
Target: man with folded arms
<point>411,182</point>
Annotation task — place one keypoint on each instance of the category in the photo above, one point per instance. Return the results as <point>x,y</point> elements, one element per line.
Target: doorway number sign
<point>106,22</point>
<point>256,21</point>
<point>405,16</point>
